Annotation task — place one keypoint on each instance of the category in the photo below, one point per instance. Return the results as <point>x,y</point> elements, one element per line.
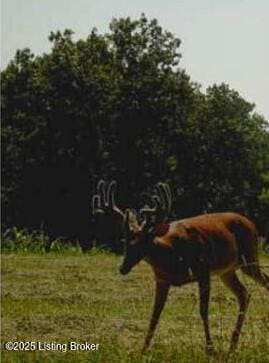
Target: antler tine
<point>110,195</point>
<point>95,203</point>
<point>110,199</point>
<point>168,194</point>
<point>147,209</point>
<point>162,193</point>
<point>156,200</point>
<point>101,190</point>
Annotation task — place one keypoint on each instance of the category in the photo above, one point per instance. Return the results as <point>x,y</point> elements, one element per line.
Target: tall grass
<point>16,240</point>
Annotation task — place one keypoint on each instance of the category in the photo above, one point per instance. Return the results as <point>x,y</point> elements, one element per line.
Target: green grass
<point>82,298</point>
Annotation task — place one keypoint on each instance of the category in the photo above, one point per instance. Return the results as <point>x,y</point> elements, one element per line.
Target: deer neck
<point>166,267</point>
<point>160,256</point>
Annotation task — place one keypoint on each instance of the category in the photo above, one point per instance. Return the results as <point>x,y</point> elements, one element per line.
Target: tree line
<point>119,106</point>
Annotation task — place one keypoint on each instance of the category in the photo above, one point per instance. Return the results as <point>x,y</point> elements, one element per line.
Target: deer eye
<point>136,237</point>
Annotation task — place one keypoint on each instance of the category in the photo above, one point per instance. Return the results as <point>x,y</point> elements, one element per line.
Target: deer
<point>191,250</point>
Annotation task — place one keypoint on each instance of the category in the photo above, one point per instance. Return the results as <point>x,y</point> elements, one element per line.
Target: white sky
<point>222,40</point>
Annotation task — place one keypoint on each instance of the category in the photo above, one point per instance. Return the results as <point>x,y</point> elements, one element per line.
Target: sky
<point>222,40</point>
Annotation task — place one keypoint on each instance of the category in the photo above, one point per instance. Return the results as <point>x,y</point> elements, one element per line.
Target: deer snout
<point>124,269</point>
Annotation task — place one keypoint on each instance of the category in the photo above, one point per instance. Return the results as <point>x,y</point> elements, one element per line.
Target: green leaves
<point>118,105</point>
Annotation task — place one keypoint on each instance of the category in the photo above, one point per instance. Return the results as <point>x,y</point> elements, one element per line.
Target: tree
<point>52,107</point>
<point>119,106</point>
<point>231,153</point>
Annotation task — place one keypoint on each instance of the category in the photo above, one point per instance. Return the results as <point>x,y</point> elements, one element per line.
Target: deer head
<point>139,227</point>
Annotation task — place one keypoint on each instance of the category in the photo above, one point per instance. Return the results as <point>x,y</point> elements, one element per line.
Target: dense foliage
<point>119,106</point>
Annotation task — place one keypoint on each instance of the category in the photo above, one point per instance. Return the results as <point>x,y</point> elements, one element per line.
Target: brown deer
<point>191,250</point>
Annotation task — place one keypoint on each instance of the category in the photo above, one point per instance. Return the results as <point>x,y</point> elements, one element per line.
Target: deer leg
<point>204,295</point>
<point>231,280</point>
<point>161,292</point>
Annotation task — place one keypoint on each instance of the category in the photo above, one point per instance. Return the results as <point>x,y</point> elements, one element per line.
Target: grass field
<point>82,298</point>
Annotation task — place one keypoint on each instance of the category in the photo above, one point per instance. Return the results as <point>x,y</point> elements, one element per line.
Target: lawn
<point>57,298</point>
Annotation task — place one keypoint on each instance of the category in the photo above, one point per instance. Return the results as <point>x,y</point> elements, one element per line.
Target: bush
<point>21,240</point>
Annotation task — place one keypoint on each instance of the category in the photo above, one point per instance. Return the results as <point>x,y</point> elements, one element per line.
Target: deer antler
<point>98,201</point>
<point>166,196</point>
<point>101,190</point>
<point>110,195</point>
<point>162,202</point>
<point>104,199</point>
